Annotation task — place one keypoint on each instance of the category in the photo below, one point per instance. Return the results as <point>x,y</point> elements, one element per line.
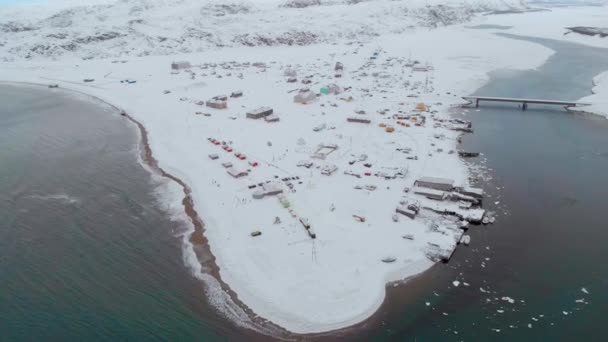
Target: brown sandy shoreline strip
<point>395,295</point>
<point>200,244</point>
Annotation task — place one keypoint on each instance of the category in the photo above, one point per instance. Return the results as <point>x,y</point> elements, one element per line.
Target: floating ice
<point>508,299</point>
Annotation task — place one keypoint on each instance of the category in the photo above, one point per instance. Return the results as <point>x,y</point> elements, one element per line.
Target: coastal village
<point>309,166</point>
<point>336,168</point>
<point>362,154</point>
<point>321,174</point>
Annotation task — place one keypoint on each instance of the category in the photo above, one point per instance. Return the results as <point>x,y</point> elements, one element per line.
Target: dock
<point>524,102</point>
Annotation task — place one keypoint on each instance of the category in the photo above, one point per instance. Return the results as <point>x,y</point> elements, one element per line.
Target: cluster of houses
<point>441,189</point>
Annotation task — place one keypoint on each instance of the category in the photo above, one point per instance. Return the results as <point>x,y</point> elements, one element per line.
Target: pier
<point>524,102</point>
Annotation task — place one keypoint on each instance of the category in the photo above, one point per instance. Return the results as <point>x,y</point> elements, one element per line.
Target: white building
<point>259,113</point>
<point>442,184</point>
<point>236,173</point>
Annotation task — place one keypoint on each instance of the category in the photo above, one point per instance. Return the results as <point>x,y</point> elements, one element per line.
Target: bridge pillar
<point>524,106</point>
<point>477,103</point>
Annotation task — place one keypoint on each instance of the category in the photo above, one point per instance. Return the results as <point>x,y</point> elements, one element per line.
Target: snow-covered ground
<point>298,283</point>
<point>599,98</point>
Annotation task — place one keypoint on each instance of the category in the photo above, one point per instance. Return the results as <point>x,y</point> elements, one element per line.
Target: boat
<point>408,236</point>
<point>468,154</point>
<point>466,239</point>
<point>389,259</point>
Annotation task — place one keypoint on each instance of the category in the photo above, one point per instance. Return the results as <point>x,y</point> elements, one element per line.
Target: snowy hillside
<point>105,28</point>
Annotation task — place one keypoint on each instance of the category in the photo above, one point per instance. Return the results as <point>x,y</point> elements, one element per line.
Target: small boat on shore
<point>465,154</point>
<point>389,259</point>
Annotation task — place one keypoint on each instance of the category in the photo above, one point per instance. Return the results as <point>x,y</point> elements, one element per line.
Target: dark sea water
<point>86,251</point>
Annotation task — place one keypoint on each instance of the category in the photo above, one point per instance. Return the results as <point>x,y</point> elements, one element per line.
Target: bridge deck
<point>521,100</point>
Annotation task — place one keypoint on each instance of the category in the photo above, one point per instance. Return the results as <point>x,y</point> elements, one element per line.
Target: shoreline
<point>197,239</point>
<point>201,249</point>
<point>199,242</point>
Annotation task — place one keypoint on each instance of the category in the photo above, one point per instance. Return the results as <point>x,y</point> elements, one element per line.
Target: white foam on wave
<point>169,195</point>
<point>62,197</point>
<point>214,292</point>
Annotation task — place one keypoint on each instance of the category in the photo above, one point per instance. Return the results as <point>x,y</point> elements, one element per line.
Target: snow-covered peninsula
<point>309,211</point>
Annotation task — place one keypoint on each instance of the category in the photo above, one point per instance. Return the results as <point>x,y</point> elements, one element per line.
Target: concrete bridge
<point>524,102</point>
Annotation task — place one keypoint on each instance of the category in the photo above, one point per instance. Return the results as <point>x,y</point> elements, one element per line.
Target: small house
<point>289,72</point>
<point>319,127</point>
<point>305,163</point>
<point>328,170</point>
<point>267,189</point>
<point>431,193</point>
<point>473,192</point>
<point>221,98</point>
<point>213,156</point>
<point>259,113</point>
<point>180,65</point>
<point>217,104</point>
<point>271,118</point>
<point>358,120</point>
<point>403,210</point>
<point>236,173</point>
<point>422,107</point>
<point>334,89</point>
<point>237,93</point>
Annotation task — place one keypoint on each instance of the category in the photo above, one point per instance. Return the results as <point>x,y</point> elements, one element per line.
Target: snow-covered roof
<point>436,180</point>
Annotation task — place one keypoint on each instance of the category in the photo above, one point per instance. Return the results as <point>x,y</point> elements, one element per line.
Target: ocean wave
<point>62,197</point>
